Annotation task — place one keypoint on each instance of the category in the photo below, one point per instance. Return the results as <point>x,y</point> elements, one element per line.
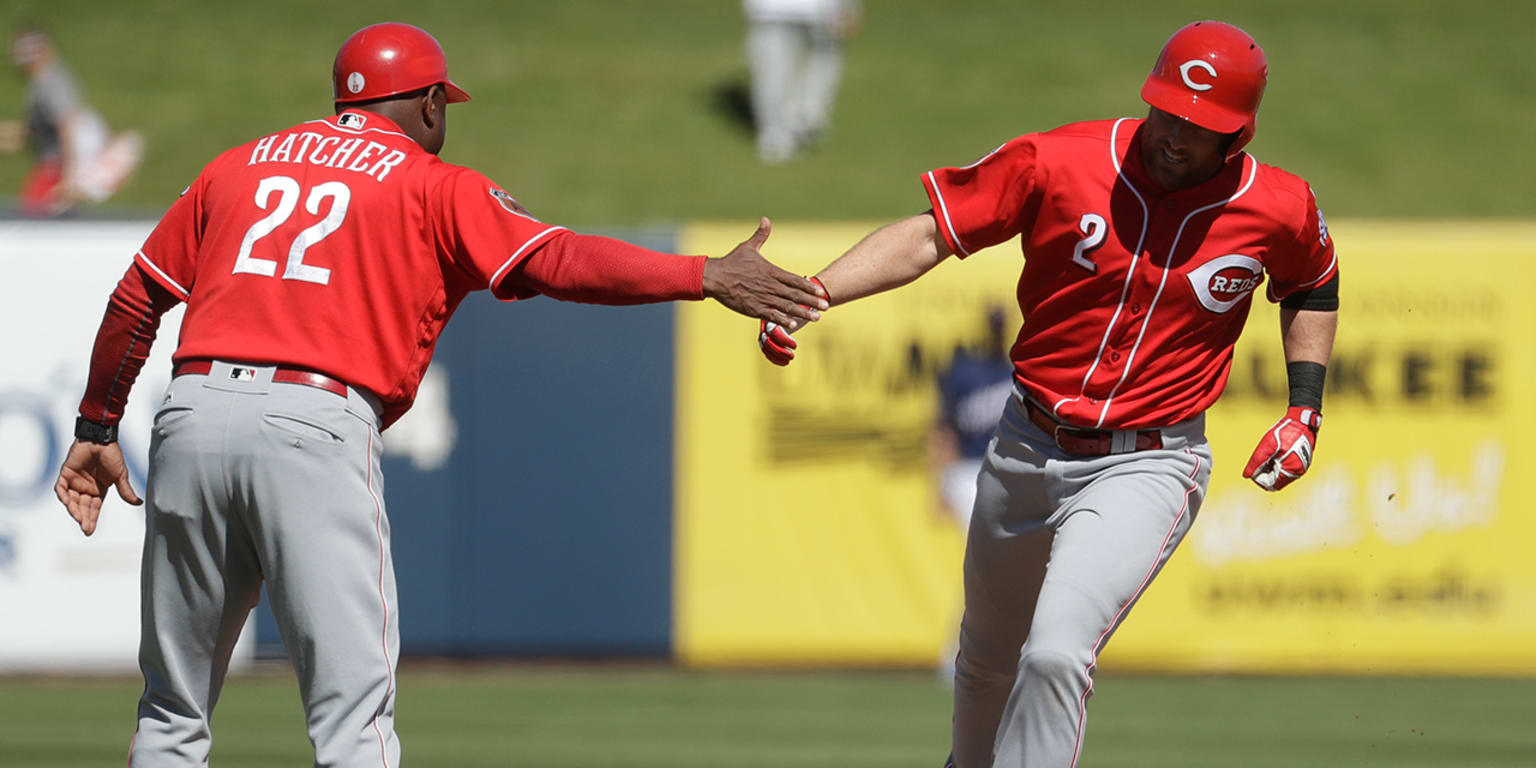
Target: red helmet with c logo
<point>387,60</point>
<point>1213,75</point>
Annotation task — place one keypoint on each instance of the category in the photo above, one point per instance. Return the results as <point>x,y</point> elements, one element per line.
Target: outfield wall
<point>806,533</point>
<point>597,482</point>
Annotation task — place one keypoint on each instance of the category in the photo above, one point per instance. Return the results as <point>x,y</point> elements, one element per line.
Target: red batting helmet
<point>387,60</point>
<point>1213,75</point>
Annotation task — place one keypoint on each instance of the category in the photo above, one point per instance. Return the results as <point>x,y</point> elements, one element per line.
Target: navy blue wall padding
<point>549,529</point>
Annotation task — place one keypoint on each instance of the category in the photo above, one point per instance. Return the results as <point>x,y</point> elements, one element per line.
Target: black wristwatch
<point>95,431</point>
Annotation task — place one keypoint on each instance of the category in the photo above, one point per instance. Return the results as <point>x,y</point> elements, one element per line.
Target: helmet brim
<point>455,93</point>
<point>1183,103</point>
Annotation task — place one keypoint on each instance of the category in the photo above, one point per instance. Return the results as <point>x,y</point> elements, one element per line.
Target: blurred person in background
<point>973,390</point>
<point>77,159</point>
<point>795,53</point>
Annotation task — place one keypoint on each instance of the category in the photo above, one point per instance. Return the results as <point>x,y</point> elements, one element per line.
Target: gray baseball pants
<point>796,67</point>
<point>1059,550</point>
<point>253,481</point>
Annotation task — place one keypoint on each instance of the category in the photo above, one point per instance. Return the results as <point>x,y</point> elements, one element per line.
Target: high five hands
<point>745,282</point>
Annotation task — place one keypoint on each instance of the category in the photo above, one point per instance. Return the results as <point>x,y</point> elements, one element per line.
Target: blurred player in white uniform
<point>795,52</point>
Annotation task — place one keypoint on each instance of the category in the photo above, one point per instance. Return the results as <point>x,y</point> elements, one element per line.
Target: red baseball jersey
<point>339,246</point>
<point>1132,297</point>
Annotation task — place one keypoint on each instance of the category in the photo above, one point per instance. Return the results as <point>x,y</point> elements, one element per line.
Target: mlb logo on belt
<point>242,374</point>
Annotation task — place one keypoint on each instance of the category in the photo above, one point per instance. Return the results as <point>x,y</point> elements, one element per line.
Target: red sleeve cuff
<point>511,290</point>
<point>159,275</point>
<point>941,215</point>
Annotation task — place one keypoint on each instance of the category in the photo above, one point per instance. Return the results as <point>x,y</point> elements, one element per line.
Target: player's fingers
<point>802,290</point>
<point>79,511</point>
<point>801,311</point>
<point>125,490</point>
<point>777,355</point>
<point>780,314</point>
<point>764,227</point>
<point>781,337</point>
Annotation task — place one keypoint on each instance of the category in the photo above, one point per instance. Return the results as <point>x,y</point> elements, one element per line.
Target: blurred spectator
<point>794,49</point>
<point>77,159</point>
<point>973,390</point>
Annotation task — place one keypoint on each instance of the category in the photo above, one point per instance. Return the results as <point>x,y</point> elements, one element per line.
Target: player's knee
<point>973,671</point>
<point>1051,665</point>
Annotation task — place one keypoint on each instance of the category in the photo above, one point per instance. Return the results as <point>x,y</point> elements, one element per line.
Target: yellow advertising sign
<point>806,529</point>
<point>1407,547</point>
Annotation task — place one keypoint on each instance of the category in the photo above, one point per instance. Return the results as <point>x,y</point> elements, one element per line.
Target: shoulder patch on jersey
<point>1322,229</point>
<point>351,120</point>
<point>510,203</point>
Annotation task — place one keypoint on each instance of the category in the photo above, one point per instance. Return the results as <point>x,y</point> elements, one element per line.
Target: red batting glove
<point>776,343</point>
<point>1285,452</point>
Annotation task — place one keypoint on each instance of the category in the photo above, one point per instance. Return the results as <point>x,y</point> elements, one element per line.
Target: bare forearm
<point>887,258</point>
<point>1307,335</point>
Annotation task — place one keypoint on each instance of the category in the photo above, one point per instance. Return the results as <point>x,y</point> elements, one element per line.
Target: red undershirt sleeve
<point>601,270</point>
<point>122,343</point>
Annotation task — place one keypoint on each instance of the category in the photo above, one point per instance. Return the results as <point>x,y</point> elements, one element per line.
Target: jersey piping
<point>355,131</point>
<point>181,293</point>
<point>1172,249</point>
<point>1114,159</point>
<point>502,271</point>
<point>944,210</point>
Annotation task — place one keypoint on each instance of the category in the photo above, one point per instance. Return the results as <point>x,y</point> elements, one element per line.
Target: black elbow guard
<point>1323,298</point>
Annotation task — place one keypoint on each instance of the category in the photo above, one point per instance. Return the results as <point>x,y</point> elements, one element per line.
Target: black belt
<point>281,375</point>
<point>1082,441</point>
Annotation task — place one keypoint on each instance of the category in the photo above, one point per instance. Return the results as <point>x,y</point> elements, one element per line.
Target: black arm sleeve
<point>1323,298</point>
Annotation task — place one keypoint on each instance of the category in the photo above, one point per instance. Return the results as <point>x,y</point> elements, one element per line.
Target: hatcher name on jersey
<point>374,159</point>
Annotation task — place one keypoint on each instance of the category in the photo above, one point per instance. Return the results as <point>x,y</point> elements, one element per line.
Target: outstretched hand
<point>89,470</point>
<point>746,282</point>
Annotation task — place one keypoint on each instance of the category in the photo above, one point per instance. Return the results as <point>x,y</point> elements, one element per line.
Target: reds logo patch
<point>510,203</point>
<point>1223,282</point>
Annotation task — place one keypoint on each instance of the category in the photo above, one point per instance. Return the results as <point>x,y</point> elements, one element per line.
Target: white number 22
<point>288,194</point>
<point>1093,229</point>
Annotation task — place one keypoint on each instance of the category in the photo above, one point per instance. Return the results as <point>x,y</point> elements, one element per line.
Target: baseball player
<point>1144,241</point>
<point>319,264</point>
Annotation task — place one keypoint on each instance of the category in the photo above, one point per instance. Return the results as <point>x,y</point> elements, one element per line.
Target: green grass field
<point>601,717</point>
<point>603,113</point>
<point>611,112</point>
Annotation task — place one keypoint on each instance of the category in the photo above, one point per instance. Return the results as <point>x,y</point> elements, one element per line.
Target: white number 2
<point>287,200</point>
<point>1094,230</point>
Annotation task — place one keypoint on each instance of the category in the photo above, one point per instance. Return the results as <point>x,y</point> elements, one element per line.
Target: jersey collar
<point>362,121</point>
<point>1223,184</point>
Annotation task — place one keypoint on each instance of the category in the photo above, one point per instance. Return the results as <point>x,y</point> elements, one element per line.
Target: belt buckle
<point>1056,436</point>
<point>1080,442</point>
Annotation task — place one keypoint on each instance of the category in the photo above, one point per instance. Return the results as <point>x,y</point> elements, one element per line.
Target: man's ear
<point>432,104</point>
